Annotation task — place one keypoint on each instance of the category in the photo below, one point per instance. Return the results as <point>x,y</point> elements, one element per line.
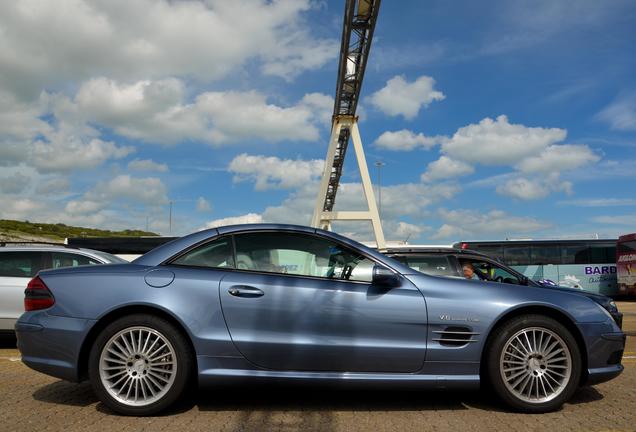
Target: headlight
<point>611,307</point>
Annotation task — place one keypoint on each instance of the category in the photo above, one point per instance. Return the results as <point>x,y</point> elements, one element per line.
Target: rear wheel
<point>534,363</point>
<point>140,364</point>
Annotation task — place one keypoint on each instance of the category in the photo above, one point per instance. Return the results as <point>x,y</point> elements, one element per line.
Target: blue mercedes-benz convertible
<point>295,303</point>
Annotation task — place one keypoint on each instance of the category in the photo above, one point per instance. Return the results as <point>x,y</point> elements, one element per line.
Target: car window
<point>20,263</point>
<point>65,259</point>
<point>217,253</point>
<point>300,254</point>
<point>436,265</point>
<point>488,271</point>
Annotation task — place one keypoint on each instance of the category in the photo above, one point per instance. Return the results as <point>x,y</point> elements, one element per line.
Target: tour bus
<point>626,264</point>
<point>584,264</point>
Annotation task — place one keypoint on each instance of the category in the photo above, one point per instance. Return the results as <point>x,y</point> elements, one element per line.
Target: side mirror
<point>382,276</point>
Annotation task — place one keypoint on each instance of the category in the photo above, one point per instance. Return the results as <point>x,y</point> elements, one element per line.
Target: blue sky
<point>494,119</point>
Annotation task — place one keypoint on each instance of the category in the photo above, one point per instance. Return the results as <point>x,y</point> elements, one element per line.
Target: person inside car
<point>469,271</point>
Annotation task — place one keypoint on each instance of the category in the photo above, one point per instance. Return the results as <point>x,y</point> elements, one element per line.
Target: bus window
<point>516,255</point>
<point>495,251</point>
<point>545,254</point>
<point>602,253</point>
<point>575,254</point>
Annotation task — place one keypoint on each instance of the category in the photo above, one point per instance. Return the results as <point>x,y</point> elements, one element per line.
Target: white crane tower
<point>359,22</point>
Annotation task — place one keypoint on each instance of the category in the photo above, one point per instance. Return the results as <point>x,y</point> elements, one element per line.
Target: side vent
<point>455,336</point>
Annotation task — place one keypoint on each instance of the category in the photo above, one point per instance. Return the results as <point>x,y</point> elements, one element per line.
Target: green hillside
<point>19,229</point>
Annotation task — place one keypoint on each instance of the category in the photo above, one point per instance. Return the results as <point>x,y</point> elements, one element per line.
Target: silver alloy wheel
<point>535,365</point>
<point>138,366</point>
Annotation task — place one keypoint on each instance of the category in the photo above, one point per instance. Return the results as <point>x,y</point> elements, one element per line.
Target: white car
<point>19,262</point>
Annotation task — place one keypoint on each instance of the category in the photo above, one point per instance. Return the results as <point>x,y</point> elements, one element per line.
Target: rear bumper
<point>51,344</point>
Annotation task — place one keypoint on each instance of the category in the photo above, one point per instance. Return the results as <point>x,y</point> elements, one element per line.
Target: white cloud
<point>621,113</point>
<point>400,97</point>
<point>445,168</point>
<point>150,190</point>
<point>203,205</point>
<point>472,225</point>
<point>83,207</point>
<point>558,158</point>
<point>67,153</point>
<point>498,142</point>
<point>15,183</point>
<point>250,218</point>
<point>47,44</point>
<point>531,189</point>
<point>55,185</point>
<point>629,219</point>
<point>406,140</point>
<point>272,172</point>
<point>21,209</point>
<point>147,165</point>
<point>157,112</point>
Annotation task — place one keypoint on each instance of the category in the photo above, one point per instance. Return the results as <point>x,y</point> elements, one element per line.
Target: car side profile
<point>283,302</point>
<point>20,261</point>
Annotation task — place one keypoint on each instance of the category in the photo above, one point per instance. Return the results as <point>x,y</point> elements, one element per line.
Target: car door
<point>302,302</point>
<point>16,269</point>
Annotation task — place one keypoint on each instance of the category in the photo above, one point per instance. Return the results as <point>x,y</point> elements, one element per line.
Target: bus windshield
<point>626,264</point>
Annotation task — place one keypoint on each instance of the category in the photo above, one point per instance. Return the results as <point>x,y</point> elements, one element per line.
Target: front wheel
<point>534,363</point>
<point>140,364</point>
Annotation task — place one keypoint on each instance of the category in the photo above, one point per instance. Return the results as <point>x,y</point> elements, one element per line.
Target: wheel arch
<point>121,312</point>
<point>548,311</point>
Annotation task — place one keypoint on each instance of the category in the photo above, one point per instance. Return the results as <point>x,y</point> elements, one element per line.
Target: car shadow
<point>258,404</point>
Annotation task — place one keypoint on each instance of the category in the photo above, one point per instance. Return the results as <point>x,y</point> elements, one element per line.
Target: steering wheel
<point>499,279</point>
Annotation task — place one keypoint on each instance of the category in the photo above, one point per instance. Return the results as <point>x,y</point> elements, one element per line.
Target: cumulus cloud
<point>499,142</point>
<point>445,168</point>
<point>473,225</point>
<point>73,153</point>
<point>45,44</point>
<point>531,189</point>
<point>400,97</point>
<point>147,165</point>
<point>621,113</point>
<point>557,158</point>
<point>14,184</point>
<point>149,190</point>
<point>249,218</point>
<point>406,140</point>
<point>157,111</point>
<point>272,172</point>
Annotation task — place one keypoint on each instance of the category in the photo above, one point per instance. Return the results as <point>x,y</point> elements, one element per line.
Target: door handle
<point>245,291</point>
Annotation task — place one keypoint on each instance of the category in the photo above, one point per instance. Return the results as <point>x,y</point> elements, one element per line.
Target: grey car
<point>299,304</point>
<point>20,261</point>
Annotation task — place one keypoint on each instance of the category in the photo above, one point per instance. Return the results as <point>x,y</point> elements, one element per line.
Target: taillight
<point>37,295</point>
<point>464,245</point>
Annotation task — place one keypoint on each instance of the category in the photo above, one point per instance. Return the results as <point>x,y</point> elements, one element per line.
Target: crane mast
<point>357,33</point>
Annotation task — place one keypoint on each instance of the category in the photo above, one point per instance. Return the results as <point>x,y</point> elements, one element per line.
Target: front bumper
<point>51,344</point>
<point>605,344</point>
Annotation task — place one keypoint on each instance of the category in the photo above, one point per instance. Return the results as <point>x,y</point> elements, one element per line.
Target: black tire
<point>495,358</point>
<point>183,357</point>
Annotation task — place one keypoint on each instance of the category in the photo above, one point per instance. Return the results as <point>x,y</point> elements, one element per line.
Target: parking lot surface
<point>30,401</point>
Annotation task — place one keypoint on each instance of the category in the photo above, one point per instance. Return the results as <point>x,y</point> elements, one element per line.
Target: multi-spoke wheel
<point>534,363</point>
<point>139,364</point>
